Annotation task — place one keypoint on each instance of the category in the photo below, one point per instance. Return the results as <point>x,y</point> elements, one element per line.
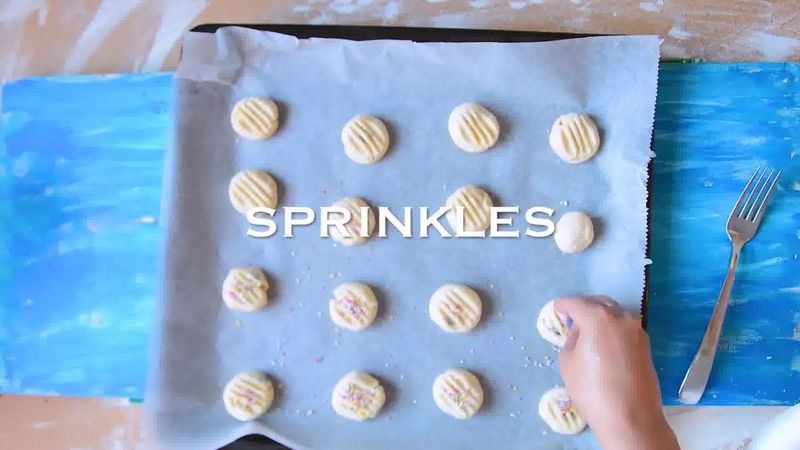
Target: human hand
<point>608,372</point>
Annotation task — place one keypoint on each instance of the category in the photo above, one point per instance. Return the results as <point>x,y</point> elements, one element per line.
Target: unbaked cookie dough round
<point>558,412</point>
<point>477,205</point>
<point>574,232</point>
<point>355,225</point>
<point>458,392</point>
<point>353,306</point>
<point>456,308</point>
<point>245,289</point>
<point>255,118</point>
<point>248,395</point>
<point>252,189</point>
<point>365,139</point>
<point>574,138</point>
<point>473,128</point>
<point>358,396</point>
<point>552,325</point>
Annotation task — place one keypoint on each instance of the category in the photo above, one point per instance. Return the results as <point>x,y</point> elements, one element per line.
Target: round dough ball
<point>353,306</point>
<point>552,325</point>
<point>365,139</point>
<point>248,395</point>
<point>574,232</point>
<point>245,289</point>
<point>477,206</point>
<point>458,392</point>
<point>456,308</point>
<point>574,138</point>
<point>252,189</point>
<point>358,396</point>
<point>354,226</point>
<point>558,412</point>
<point>255,118</point>
<point>473,128</point>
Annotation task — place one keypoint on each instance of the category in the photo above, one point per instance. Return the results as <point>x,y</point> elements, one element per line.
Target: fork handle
<point>694,383</point>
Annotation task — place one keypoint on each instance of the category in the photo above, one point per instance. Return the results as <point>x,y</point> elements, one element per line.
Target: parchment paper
<point>320,84</point>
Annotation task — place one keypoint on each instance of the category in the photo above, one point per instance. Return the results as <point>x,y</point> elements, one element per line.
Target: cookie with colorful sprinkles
<point>559,413</point>
<point>358,396</point>
<point>353,306</point>
<point>248,395</point>
<point>458,392</point>
<point>245,289</point>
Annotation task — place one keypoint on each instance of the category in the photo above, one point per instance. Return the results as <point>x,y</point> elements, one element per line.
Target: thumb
<point>566,356</point>
<point>572,338</point>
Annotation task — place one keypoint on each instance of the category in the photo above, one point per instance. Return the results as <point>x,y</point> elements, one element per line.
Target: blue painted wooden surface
<point>714,124</point>
<point>80,178</point>
<point>82,165</point>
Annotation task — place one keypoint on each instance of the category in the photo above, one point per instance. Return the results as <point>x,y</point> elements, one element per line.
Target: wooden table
<point>105,36</point>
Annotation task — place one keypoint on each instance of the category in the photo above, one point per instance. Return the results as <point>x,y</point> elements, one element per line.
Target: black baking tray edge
<point>417,34</point>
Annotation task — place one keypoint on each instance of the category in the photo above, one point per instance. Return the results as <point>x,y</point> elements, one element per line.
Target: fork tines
<point>751,209</point>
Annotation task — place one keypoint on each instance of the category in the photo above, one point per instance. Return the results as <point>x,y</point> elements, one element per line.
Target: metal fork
<point>742,225</point>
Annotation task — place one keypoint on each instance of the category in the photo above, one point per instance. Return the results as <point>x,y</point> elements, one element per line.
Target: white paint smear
<point>649,7</point>
<point>346,7</point>
<point>391,12</point>
<point>19,10</point>
<point>679,33</point>
<point>766,263</point>
<point>756,140</point>
<point>175,17</point>
<point>674,51</point>
<point>92,319</point>
<point>321,19</point>
<point>520,4</point>
<point>109,14</point>
<point>772,47</point>
<point>795,364</point>
<point>22,165</point>
<point>479,4</point>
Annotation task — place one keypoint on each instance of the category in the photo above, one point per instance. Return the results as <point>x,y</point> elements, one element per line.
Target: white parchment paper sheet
<point>320,84</point>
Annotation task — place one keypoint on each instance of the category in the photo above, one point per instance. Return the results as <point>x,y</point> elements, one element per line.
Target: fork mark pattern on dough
<point>458,392</point>
<point>473,128</point>
<point>365,139</point>
<point>253,189</point>
<point>574,138</point>
<point>456,308</point>
<point>255,118</point>
<point>353,306</point>
<point>248,395</point>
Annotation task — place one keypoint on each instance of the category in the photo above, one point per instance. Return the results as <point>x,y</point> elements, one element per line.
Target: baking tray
<point>417,34</point>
